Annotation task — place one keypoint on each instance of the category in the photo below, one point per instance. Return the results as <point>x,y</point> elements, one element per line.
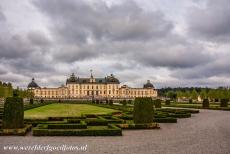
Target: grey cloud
<point>38,38</point>
<point>217,68</point>
<point>76,21</point>
<point>2,16</point>
<point>15,46</point>
<point>212,22</point>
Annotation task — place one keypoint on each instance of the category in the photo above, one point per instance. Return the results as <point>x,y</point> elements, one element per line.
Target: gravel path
<point>205,133</point>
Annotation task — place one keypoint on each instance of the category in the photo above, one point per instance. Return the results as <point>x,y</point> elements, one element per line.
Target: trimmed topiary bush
<point>224,102</point>
<point>165,120</point>
<point>42,100</point>
<point>157,103</point>
<point>205,103</point>
<point>143,110</point>
<point>13,116</point>
<point>123,102</point>
<point>110,102</point>
<point>167,102</point>
<point>31,101</point>
<point>190,101</point>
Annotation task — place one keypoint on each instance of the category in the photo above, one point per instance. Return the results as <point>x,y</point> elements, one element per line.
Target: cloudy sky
<point>172,43</point>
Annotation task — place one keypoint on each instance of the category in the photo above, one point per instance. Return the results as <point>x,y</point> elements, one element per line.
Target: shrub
<point>139,126</point>
<point>126,117</point>
<point>143,110</point>
<point>97,101</point>
<point>13,113</point>
<point>190,101</point>
<point>167,102</point>
<point>31,101</point>
<point>82,125</point>
<point>205,103</point>
<point>110,102</point>
<point>224,102</point>
<point>42,100</point>
<point>110,130</point>
<point>111,119</point>
<point>181,115</point>
<point>96,122</point>
<point>129,101</point>
<point>123,102</point>
<point>157,103</point>
<point>93,101</point>
<point>106,101</point>
<point>165,120</point>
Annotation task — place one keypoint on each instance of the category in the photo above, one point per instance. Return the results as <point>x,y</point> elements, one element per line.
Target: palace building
<point>96,88</point>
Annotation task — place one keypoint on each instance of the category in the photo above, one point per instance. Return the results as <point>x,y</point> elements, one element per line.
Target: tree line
<point>7,90</point>
<point>214,95</point>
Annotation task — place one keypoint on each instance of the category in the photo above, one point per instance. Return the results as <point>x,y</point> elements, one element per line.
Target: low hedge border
<point>139,126</point>
<point>112,130</point>
<point>165,120</point>
<point>81,125</point>
<point>96,122</point>
<point>111,119</point>
<point>18,132</point>
<point>185,115</point>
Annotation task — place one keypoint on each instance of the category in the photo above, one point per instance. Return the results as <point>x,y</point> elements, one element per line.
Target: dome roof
<point>72,78</point>
<point>112,79</point>
<point>33,84</point>
<point>148,84</point>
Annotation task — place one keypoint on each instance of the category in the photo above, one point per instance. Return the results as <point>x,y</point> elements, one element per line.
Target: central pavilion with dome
<point>98,88</point>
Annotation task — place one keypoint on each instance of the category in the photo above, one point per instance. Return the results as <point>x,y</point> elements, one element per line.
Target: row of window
<point>93,86</point>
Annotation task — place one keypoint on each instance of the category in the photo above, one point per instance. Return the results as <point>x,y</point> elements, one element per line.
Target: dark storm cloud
<point>212,22</point>
<point>15,46</point>
<point>124,38</point>
<point>75,21</point>
<point>123,30</point>
<point>217,68</point>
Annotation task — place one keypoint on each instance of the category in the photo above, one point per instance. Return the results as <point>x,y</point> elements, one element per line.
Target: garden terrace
<point>65,110</point>
<point>85,119</point>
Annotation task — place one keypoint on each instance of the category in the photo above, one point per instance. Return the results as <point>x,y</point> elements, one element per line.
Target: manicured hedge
<point>123,102</point>
<point>224,102</point>
<point>205,103</point>
<point>157,103</point>
<point>167,102</point>
<point>184,115</point>
<point>126,117</point>
<point>111,130</point>
<point>139,126</point>
<point>96,122</point>
<point>13,113</point>
<point>82,125</point>
<point>73,120</point>
<point>111,119</point>
<point>143,110</point>
<point>165,120</point>
<point>31,101</point>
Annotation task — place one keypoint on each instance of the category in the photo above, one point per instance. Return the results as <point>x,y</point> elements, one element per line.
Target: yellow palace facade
<point>97,88</point>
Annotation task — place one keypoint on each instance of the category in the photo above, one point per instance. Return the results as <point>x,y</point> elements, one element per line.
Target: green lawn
<point>65,110</point>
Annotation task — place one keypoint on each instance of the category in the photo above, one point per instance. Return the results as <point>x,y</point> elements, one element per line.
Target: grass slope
<point>65,110</point>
